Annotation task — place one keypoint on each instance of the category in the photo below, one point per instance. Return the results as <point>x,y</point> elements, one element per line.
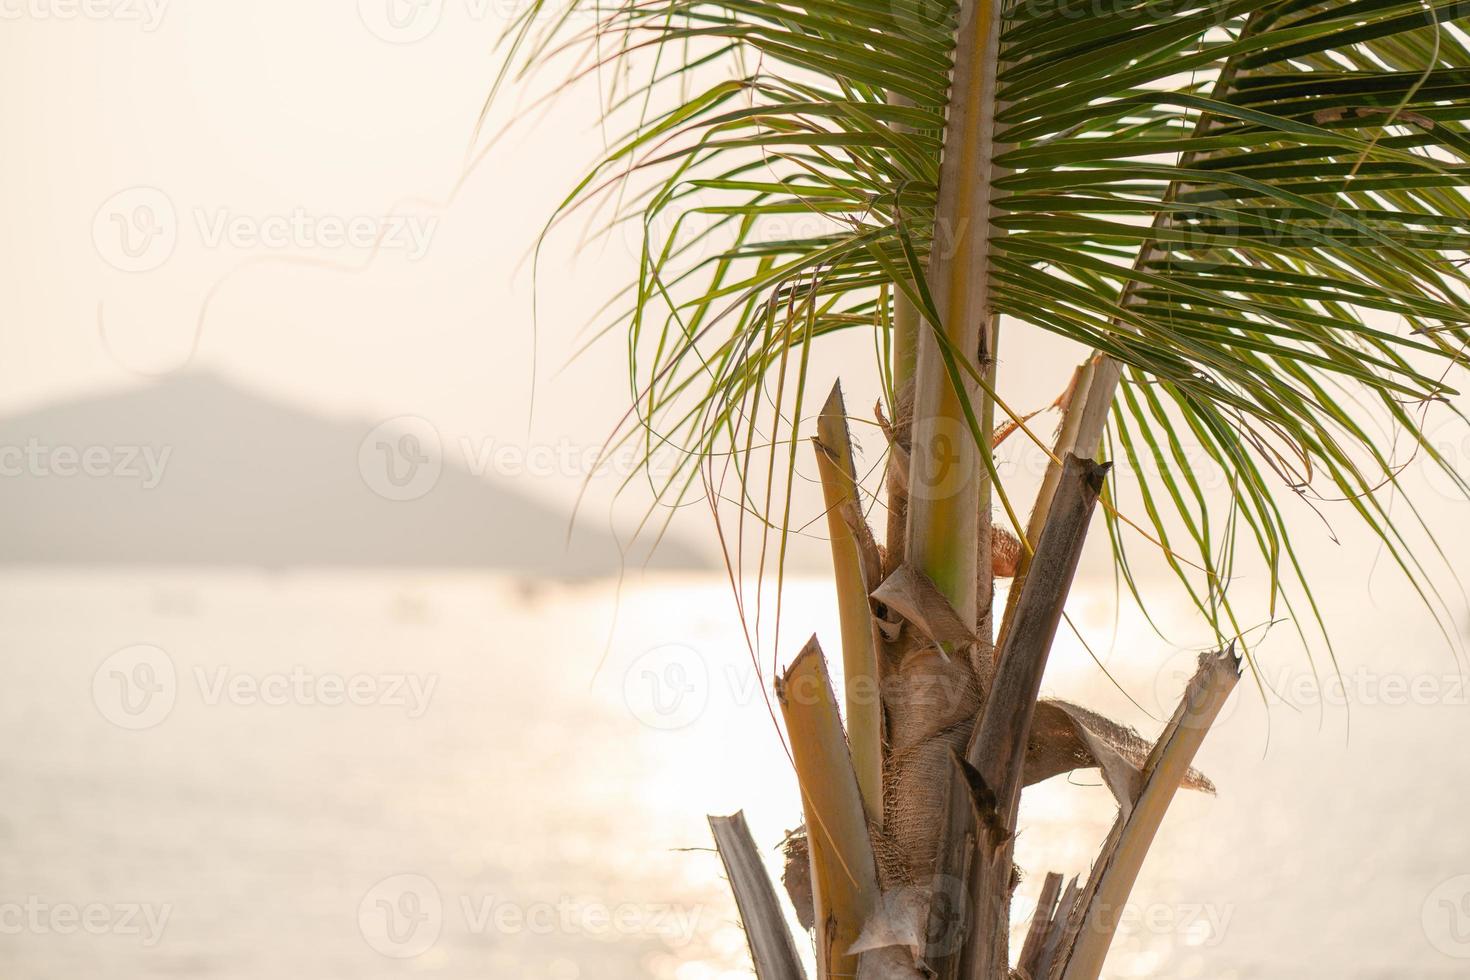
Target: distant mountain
<point>194,470</point>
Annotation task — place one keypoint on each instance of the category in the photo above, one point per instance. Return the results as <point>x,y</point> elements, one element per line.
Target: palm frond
<point>1256,209</point>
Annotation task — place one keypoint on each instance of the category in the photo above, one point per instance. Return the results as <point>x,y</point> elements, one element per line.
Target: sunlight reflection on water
<point>536,809</point>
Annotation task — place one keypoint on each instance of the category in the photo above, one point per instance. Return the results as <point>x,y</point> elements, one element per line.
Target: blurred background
<point>310,672</point>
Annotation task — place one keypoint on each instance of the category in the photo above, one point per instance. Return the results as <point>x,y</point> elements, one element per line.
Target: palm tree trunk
<point>933,691</point>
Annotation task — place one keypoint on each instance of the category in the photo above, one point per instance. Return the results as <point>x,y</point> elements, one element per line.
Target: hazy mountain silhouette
<point>194,470</point>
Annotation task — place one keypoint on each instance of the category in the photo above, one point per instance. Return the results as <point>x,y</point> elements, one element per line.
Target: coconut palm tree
<point>1252,215</point>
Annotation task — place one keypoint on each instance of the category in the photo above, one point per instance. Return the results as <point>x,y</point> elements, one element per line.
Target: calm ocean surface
<point>312,776</point>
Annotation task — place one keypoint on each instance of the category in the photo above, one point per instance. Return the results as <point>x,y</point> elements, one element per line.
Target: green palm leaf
<point>1257,208</point>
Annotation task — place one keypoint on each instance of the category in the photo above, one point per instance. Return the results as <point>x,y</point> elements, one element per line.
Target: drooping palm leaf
<point>1258,209</point>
